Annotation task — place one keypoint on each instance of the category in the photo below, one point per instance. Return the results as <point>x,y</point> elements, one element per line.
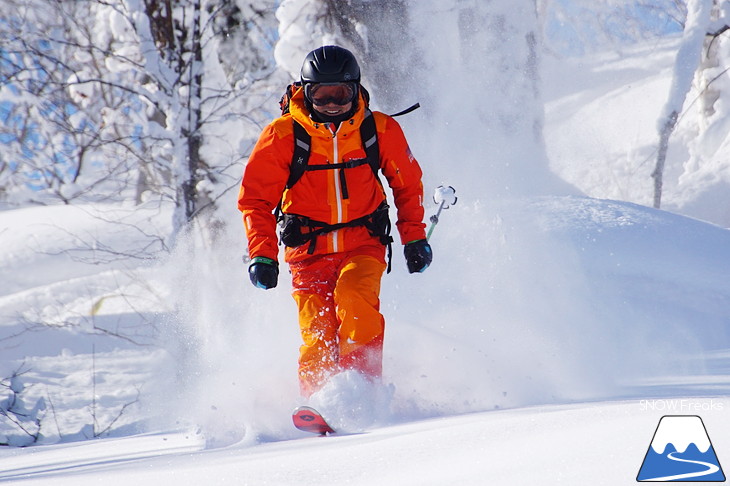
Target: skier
<point>334,215</point>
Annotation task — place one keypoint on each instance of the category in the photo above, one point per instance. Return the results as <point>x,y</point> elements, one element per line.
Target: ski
<point>310,420</point>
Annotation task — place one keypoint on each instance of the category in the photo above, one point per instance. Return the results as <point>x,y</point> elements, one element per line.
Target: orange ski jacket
<point>318,194</point>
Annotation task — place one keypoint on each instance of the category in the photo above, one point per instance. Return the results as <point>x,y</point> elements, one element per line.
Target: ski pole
<point>445,197</point>
<point>434,220</point>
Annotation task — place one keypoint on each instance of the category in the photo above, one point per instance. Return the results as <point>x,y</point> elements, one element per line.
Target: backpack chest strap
<point>303,145</point>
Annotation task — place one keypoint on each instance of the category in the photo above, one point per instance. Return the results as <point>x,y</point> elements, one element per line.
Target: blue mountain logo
<point>681,451</point>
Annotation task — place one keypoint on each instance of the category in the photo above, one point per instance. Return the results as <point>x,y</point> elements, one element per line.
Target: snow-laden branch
<point>686,63</point>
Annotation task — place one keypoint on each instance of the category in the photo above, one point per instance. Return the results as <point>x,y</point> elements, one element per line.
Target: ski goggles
<point>321,94</point>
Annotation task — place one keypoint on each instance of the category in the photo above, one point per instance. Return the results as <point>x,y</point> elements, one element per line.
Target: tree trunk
<point>658,174</point>
<point>192,131</point>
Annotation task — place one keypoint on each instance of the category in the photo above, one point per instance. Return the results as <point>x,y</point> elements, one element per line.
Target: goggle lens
<point>323,94</point>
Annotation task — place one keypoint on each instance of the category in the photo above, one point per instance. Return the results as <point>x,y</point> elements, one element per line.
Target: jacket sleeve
<point>264,179</point>
<point>403,173</point>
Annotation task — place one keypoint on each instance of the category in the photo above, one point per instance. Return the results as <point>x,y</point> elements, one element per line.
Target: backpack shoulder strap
<point>300,158</point>
<point>369,137</point>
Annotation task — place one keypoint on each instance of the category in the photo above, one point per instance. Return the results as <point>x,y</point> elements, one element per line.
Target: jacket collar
<point>300,113</point>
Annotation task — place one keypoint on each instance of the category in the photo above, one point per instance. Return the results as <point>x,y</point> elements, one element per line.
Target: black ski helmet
<point>330,64</point>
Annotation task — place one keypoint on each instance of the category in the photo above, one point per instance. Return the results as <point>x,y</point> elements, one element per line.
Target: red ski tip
<point>310,420</point>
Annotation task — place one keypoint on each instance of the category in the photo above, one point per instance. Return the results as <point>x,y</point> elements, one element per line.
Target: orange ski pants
<point>339,316</point>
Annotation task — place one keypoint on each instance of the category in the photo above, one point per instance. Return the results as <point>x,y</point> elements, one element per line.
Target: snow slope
<point>660,308</point>
<point>542,346</point>
<point>598,444</point>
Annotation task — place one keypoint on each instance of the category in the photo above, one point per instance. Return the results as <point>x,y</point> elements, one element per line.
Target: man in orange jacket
<point>336,226</point>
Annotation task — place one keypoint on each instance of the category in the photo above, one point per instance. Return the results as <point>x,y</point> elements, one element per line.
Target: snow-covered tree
<point>62,133</point>
<point>162,42</point>
<point>131,99</point>
<point>193,89</point>
<point>700,68</point>
<point>480,73</point>
<point>687,62</point>
<point>712,78</point>
<point>704,180</point>
<point>246,30</point>
<point>381,32</point>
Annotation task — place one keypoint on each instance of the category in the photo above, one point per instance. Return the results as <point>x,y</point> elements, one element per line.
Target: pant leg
<point>313,282</point>
<point>361,325</point>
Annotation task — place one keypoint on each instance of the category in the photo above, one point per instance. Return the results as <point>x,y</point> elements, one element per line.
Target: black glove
<point>418,255</point>
<point>264,272</point>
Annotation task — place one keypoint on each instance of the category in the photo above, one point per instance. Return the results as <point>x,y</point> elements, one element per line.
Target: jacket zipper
<point>338,188</point>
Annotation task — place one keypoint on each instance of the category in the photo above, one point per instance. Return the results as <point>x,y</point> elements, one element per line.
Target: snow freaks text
<point>681,405</point>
